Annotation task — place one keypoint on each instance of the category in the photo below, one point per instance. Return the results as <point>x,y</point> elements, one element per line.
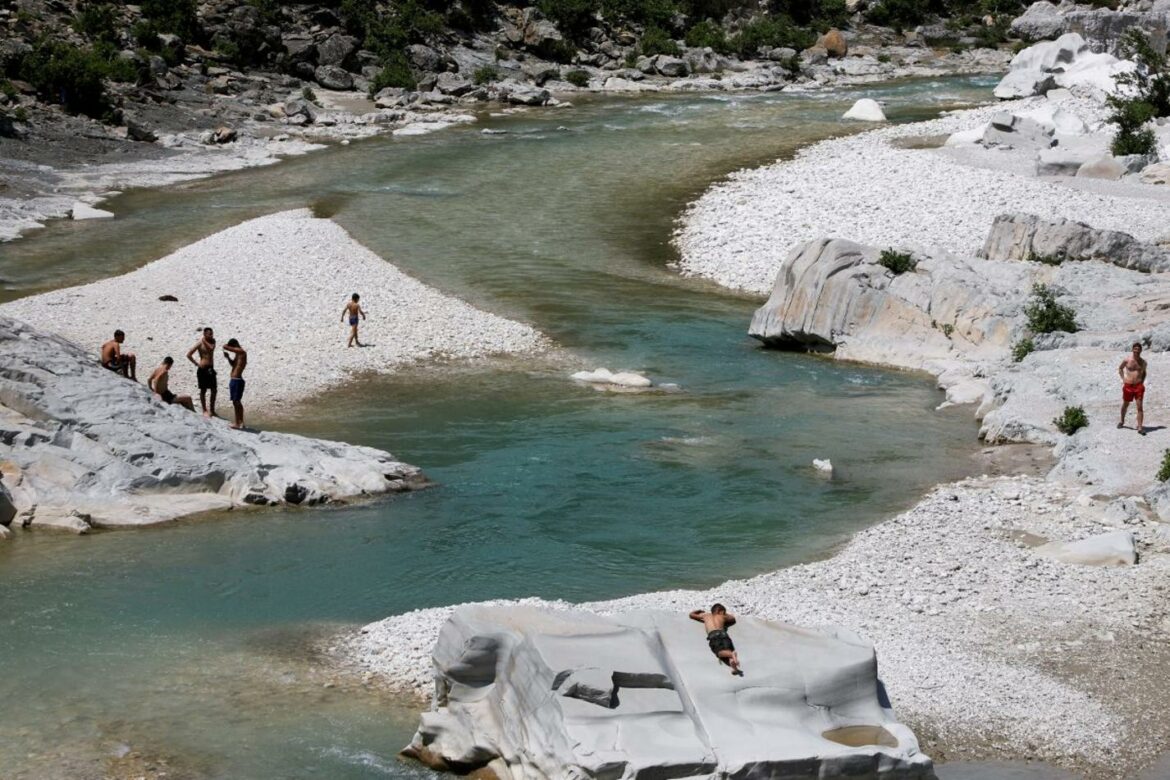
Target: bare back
<point>110,351</point>
<point>714,621</point>
<point>160,380</point>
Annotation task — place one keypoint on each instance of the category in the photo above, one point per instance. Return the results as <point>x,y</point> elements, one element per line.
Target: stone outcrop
<point>1102,28</point>
<point>1028,237</point>
<point>834,295</point>
<point>82,447</point>
<point>1115,548</point>
<point>524,692</point>
<point>1068,61</point>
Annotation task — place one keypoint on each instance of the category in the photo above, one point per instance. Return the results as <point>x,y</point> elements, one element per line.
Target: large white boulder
<point>82,447</point>
<point>524,692</point>
<point>866,110</point>
<point>1066,62</point>
<point>1109,549</point>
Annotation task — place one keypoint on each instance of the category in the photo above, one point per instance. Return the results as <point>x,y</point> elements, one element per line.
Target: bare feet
<point>236,427</point>
<point>1121,424</point>
<point>1142,431</point>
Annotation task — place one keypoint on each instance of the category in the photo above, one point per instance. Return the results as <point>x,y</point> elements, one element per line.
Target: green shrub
<point>1142,94</point>
<point>1073,419</point>
<point>69,75</point>
<point>656,41</point>
<point>1046,315</point>
<point>572,17</point>
<point>899,14</point>
<point>1164,470</point>
<point>485,75</point>
<point>1022,348</point>
<point>395,73</point>
<point>883,57</point>
<point>770,32</point>
<point>8,89</point>
<point>177,17</point>
<point>308,94</point>
<point>20,115</point>
<point>897,262</point>
<point>578,78</point>
<point>97,21</point>
<point>1053,259</point>
<point>948,329</point>
<point>708,33</point>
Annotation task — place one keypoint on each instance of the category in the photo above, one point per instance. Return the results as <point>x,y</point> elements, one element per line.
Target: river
<point>189,648</point>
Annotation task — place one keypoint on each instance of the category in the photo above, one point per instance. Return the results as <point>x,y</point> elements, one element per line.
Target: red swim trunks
<point>1132,392</point>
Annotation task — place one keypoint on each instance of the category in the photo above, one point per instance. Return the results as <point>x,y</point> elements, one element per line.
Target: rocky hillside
<point>168,65</point>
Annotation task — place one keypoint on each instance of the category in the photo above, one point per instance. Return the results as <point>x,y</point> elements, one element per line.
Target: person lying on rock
<point>717,621</point>
<point>113,358</point>
<point>1133,385</point>
<point>205,369</point>
<point>159,383</point>
<point>353,310</point>
<point>237,358</point>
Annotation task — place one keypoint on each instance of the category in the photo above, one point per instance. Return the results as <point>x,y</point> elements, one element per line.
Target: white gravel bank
<point>866,190</point>
<point>278,284</point>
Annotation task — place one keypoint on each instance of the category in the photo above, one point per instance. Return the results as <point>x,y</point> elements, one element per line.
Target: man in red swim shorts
<point>1133,385</point>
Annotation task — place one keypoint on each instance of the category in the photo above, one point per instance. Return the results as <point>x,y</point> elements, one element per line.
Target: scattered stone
<point>168,298</point>
<point>333,77</point>
<point>137,130</point>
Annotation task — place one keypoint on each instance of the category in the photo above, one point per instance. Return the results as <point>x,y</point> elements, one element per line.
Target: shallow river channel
<point>189,648</point>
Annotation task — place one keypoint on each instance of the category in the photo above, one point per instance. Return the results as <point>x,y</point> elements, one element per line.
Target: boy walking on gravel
<point>717,621</point>
<point>1133,385</point>
<point>353,310</point>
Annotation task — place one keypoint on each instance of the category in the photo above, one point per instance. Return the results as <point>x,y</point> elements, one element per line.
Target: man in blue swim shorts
<point>237,358</point>
<point>353,310</point>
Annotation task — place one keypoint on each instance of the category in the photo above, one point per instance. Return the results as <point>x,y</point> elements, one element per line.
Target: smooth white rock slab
<point>534,693</point>
<point>82,211</point>
<point>1109,549</point>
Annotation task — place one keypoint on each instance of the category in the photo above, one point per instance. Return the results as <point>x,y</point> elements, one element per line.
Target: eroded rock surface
<point>82,447</point>
<point>535,693</point>
<point>1028,237</point>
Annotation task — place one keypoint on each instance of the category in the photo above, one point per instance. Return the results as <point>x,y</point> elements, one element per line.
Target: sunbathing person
<point>113,358</point>
<point>717,621</point>
<point>159,384</point>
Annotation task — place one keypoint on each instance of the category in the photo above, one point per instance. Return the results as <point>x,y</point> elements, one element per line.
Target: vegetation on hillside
<point>1142,94</point>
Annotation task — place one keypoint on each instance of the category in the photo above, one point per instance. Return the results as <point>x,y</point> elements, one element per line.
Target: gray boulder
<point>84,447</point>
<point>670,66</point>
<point>522,692</point>
<point>527,96</point>
<point>333,77</point>
<point>299,48</point>
<point>453,84</point>
<point>1115,548</point>
<point>301,107</point>
<point>1025,236</point>
<point>7,508</point>
<point>1104,167</point>
<point>138,130</point>
<point>337,50</point>
<point>1014,131</point>
<point>423,58</point>
<point>1040,22</point>
<point>1066,62</point>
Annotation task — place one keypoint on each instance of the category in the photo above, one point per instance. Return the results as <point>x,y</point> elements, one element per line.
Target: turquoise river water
<point>189,649</point>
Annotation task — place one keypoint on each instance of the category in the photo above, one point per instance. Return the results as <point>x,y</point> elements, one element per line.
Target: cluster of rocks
<point>1102,27</point>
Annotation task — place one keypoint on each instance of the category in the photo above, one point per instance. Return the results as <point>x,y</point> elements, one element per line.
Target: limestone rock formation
<point>524,692</point>
<point>1027,237</point>
<point>1109,549</point>
<point>82,447</point>
<point>1066,62</point>
<point>1102,28</point>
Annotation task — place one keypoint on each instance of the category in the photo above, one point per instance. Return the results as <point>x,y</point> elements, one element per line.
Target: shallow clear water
<point>190,645</point>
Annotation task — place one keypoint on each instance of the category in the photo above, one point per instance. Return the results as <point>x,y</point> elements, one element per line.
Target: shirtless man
<point>237,358</point>
<point>113,358</point>
<point>353,310</point>
<point>159,381</point>
<point>205,369</point>
<point>1133,385</point>
<point>717,621</point>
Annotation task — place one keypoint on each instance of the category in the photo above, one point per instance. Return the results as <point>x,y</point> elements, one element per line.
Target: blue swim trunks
<point>236,389</point>
<point>353,320</point>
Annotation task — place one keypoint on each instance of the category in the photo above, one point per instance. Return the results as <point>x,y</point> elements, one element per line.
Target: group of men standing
<point>202,356</point>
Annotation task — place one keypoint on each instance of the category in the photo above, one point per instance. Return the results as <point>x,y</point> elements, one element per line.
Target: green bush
<point>1046,315</point>
<point>708,33</point>
<point>770,32</point>
<point>145,34</point>
<point>1073,419</point>
<point>1142,94</point>
<point>98,22</point>
<point>572,17</point>
<point>899,14</point>
<point>948,329</point>
<point>656,41</point>
<point>395,73</point>
<point>177,17</point>
<point>578,78</point>
<point>897,262</point>
<point>485,75</point>
<point>308,94</point>
<point>1053,259</point>
<point>71,75</point>
<point>1164,471</point>
<point>1022,348</point>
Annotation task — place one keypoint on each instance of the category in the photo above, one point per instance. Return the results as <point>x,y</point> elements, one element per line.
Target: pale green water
<point>188,642</point>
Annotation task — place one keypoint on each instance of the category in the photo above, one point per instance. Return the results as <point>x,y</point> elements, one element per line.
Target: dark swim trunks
<point>205,377</point>
<point>167,396</point>
<point>353,320</point>
<point>236,389</point>
<point>718,641</point>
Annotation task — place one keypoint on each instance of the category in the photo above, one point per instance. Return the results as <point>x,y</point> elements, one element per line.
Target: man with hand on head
<point>205,369</point>
<point>237,358</point>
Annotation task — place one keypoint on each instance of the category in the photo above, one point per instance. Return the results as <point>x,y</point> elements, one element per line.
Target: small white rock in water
<point>85,211</point>
<point>603,376</point>
<point>825,466</point>
<point>866,110</point>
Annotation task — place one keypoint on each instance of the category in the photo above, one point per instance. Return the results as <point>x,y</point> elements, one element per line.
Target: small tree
<point>1142,94</point>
